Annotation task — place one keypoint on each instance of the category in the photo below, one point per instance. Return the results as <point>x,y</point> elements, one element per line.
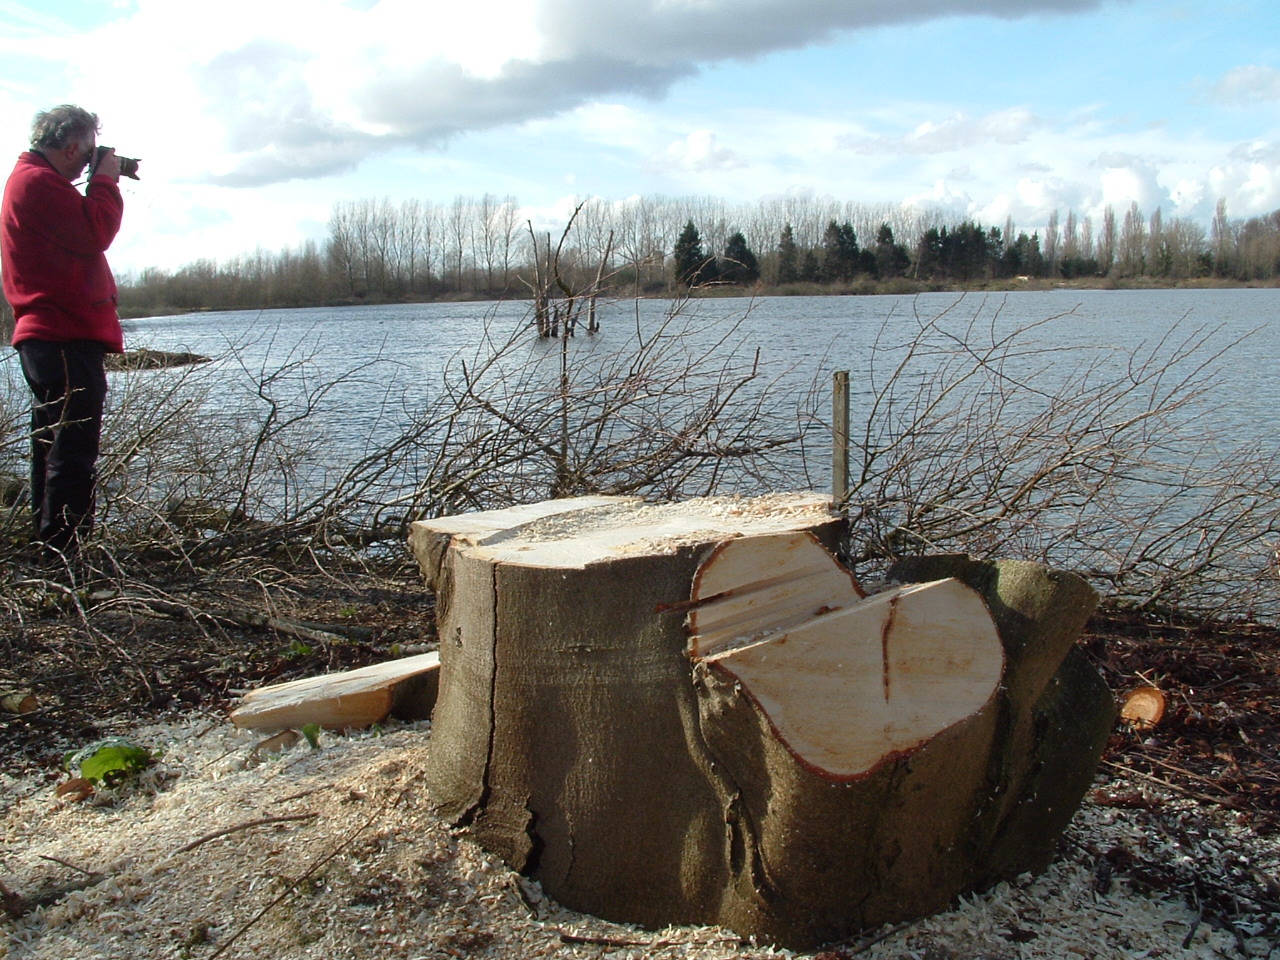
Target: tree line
<point>376,250</point>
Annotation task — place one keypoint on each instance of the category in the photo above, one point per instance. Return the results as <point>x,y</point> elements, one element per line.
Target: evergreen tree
<point>1023,257</point>
<point>966,252</point>
<point>839,252</point>
<point>810,267</point>
<point>690,260</point>
<point>788,257</point>
<point>739,265</point>
<point>929,255</point>
<point>892,258</point>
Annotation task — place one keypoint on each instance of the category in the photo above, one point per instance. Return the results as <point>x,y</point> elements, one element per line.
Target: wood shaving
<point>344,839</point>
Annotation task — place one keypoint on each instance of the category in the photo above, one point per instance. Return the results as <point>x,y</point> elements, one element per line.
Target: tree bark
<point>689,714</point>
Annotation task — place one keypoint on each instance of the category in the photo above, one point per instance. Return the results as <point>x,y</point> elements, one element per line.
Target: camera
<point>128,165</point>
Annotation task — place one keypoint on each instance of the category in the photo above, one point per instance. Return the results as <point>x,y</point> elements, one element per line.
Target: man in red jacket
<point>53,243</point>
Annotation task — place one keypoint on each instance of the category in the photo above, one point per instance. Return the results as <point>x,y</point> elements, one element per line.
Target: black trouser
<point>70,388</point>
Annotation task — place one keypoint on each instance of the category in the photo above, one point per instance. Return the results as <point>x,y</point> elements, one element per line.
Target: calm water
<point>400,351</point>
<point>366,373</point>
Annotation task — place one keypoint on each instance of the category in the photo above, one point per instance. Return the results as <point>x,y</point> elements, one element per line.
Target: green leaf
<point>312,732</point>
<point>109,760</point>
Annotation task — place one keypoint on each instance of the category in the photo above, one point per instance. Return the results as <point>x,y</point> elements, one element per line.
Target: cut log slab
<point>690,713</point>
<point>404,688</point>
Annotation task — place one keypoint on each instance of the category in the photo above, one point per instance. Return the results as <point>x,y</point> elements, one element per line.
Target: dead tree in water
<point>540,286</point>
<point>593,324</point>
<point>561,317</point>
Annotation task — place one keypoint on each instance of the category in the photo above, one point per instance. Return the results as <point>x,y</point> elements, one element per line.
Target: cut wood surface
<point>754,586</point>
<point>19,701</point>
<point>431,538</point>
<point>690,713</point>
<point>353,698</point>
<point>860,686</point>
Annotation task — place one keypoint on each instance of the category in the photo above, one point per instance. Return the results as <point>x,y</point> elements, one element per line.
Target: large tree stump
<point>690,713</point>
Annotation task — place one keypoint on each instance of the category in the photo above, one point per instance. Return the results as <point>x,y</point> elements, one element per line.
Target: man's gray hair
<point>59,126</point>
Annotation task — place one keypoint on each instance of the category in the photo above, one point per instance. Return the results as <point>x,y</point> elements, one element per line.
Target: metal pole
<point>840,437</point>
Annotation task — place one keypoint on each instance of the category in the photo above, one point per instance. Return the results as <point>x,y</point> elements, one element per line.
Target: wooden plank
<point>355,698</point>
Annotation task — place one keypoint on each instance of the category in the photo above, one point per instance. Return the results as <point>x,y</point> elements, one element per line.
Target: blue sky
<point>254,117</point>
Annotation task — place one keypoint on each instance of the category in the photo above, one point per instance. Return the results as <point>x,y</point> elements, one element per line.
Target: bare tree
<point>1070,238</point>
<point>458,226</point>
<point>1157,258</point>
<point>488,242</point>
<point>1107,242</point>
<point>1052,245</point>
<point>508,225</point>
<point>1224,240</point>
<point>343,251</point>
<point>1003,442</point>
<point>1133,242</point>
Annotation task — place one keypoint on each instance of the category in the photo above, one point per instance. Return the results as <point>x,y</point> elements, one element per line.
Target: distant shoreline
<point>899,286</point>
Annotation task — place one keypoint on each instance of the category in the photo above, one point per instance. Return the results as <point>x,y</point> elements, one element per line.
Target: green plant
<point>109,761</point>
<point>312,732</point>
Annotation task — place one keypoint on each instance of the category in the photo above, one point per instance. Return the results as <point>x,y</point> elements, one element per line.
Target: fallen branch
<point>246,617</point>
<point>316,632</point>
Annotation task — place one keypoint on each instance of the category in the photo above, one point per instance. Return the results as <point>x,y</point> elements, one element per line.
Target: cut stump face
<point>690,713</point>
<point>846,683</point>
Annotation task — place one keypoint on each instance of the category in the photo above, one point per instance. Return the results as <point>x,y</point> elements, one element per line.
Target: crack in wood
<point>885,632</point>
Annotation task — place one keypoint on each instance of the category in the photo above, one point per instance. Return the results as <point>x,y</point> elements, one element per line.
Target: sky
<point>254,118</point>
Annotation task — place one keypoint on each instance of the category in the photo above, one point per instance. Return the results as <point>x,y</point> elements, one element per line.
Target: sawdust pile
<point>224,850</point>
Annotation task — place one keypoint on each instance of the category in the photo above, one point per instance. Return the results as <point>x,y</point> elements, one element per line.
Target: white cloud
<point>1249,180</point>
<point>698,152</point>
<point>1129,179</point>
<point>1246,86</point>
<point>944,197</point>
<point>303,88</point>
<point>258,115</point>
<point>959,132</point>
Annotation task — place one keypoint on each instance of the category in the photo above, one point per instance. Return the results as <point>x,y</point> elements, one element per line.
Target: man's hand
<point>107,166</point>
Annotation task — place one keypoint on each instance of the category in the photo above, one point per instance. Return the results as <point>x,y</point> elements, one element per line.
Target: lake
<point>801,340</point>
<point>960,399</point>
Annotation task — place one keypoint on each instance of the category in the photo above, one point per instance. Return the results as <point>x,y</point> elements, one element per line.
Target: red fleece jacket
<point>53,260</point>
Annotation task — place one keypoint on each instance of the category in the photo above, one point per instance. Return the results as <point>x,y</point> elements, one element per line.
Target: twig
<point>1182,770</point>
<point>873,940</point>
<point>299,796</point>
<point>69,865</point>
<point>601,941</point>
<point>327,633</point>
<point>660,944</point>
<point>248,825</point>
<point>14,905</point>
<point>18,906</point>
<point>1221,801</point>
<point>293,885</point>
<point>1195,924</point>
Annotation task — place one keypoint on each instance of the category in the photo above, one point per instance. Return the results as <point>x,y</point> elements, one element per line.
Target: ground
<point>102,660</point>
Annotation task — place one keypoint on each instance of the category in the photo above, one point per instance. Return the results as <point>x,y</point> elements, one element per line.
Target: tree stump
<point>690,713</point>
